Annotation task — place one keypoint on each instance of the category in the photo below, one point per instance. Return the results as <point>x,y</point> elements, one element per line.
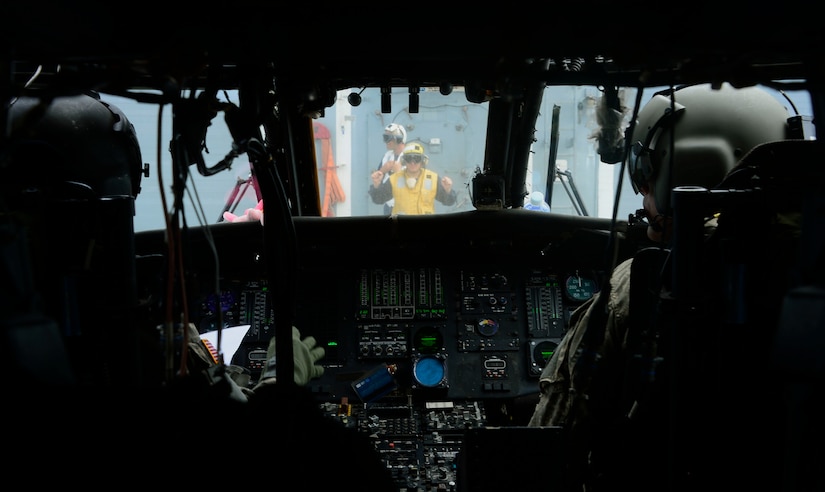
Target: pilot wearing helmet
<point>415,188</point>
<point>70,172</point>
<point>712,137</point>
<point>691,136</point>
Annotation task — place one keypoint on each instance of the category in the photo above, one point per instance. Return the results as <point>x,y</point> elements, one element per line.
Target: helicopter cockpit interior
<point>225,181</point>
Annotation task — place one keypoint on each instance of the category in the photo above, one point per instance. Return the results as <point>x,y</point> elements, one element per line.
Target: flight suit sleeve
<point>382,193</point>
<point>446,198</point>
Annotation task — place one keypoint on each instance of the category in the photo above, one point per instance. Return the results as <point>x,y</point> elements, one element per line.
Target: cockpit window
<point>367,130</point>
<point>448,130</point>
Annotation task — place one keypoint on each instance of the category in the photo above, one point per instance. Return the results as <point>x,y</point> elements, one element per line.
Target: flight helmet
<point>397,131</point>
<point>415,151</point>
<point>695,135</point>
<point>76,139</point>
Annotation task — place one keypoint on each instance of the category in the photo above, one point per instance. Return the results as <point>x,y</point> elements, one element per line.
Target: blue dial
<point>429,371</point>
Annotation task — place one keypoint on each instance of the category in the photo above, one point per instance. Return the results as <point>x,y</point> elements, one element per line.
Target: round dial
<point>487,327</point>
<point>429,371</point>
<point>542,351</point>
<point>580,288</point>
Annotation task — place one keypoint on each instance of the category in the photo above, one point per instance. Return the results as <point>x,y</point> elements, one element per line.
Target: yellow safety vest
<point>418,200</point>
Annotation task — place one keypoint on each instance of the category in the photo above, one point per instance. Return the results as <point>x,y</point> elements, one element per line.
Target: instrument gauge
<point>580,288</point>
<point>224,301</point>
<point>429,371</point>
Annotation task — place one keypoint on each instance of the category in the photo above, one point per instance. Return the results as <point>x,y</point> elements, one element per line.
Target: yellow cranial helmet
<point>414,152</point>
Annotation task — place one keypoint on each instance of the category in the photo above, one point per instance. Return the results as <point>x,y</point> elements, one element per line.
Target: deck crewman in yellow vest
<point>415,188</point>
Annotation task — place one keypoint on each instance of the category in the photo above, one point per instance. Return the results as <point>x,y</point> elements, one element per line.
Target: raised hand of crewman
<point>447,183</point>
<point>377,177</point>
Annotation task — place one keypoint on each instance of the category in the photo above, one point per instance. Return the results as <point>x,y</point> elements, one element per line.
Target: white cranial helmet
<point>397,130</point>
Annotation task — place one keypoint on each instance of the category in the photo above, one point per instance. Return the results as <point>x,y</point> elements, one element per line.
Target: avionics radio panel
<point>392,305</point>
<point>401,294</point>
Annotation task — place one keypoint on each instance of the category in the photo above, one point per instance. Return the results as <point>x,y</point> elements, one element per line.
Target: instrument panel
<point>429,343</point>
<point>439,332</point>
<point>472,314</point>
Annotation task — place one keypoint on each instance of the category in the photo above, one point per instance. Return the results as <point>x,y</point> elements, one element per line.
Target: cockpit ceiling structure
<point>646,44</point>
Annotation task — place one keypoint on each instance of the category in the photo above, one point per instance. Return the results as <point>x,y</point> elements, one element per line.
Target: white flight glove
<point>305,354</point>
